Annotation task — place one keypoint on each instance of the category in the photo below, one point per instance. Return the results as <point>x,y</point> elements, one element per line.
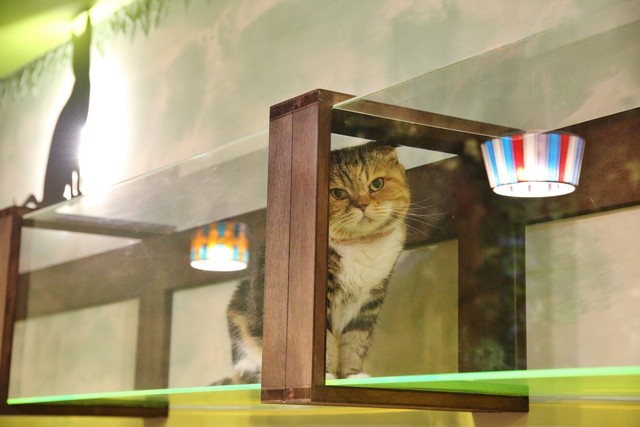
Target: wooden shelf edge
<point>85,410</point>
<point>394,399</point>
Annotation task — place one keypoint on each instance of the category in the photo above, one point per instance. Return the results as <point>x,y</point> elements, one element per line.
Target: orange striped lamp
<point>533,164</point>
<point>220,246</point>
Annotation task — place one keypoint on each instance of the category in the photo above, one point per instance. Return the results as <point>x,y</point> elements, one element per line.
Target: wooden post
<point>9,250</point>
<point>297,233</point>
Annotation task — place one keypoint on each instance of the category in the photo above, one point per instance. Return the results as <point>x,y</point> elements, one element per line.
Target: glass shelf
<point>601,383</point>
<point>172,199</point>
<point>620,384</point>
<point>220,398</point>
<point>244,395</point>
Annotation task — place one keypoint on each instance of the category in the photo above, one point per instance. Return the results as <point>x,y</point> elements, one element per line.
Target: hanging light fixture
<point>220,246</point>
<point>533,164</point>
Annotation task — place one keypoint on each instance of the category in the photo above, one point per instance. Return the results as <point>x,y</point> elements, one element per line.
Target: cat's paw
<point>359,375</point>
<point>329,376</point>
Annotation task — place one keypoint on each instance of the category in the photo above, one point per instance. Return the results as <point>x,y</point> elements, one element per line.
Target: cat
<point>62,175</point>
<point>368,201</point>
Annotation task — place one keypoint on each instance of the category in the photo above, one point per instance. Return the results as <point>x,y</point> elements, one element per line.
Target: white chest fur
<point>364,265</point>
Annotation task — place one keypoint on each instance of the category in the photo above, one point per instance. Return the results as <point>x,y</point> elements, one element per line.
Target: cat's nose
<point>360,201</point>
<point>362,205</point>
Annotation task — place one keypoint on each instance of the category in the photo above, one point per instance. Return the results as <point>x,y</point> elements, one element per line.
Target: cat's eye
<point>376,184</point>
<point>338,193</point>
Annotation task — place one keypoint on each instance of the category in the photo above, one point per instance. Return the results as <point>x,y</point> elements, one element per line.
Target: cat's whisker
<point>339,227</point>
<point>425,212</point>
<point>416,221</point>
<point>422,214</point>
<point>427,215</point>
<point>413,231</point>
<point>429,225</point>
<point>421,203</point>
<point>431,210</point>
<point>425,220</point>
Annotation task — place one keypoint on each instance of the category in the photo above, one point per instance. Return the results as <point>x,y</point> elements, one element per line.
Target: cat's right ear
<point>390,153</point>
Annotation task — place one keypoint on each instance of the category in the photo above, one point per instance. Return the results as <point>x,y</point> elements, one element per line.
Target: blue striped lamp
<point>533,164</point>
<point>220,246</point>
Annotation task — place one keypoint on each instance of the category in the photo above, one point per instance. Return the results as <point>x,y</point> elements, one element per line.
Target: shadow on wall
<point>62,177</point>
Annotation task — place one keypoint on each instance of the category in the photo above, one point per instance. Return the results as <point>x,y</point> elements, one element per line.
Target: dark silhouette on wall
<point>63,172</point>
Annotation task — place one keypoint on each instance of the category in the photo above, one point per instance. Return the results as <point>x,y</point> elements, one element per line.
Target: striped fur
<point>366,234</point>
<point>369,199</point>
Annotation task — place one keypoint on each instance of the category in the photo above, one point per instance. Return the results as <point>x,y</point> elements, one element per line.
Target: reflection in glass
<point>108,301</point>
<point>220,246</point>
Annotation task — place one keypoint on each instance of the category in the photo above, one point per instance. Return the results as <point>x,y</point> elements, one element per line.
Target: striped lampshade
<point>220,246</point>
<point>533,164</point>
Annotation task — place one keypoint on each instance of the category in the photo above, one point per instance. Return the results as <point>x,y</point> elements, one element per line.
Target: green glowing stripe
<point>607,382</point>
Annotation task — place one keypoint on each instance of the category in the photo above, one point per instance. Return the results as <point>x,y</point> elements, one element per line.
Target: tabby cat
<point>369,199</point>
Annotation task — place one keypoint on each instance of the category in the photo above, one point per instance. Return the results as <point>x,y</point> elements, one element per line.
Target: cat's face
<point>368,193</point>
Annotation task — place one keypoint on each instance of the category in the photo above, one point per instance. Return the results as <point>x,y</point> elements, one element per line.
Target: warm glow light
<point>220,246</point>
<point>533,164</point>
<point>105,137</point>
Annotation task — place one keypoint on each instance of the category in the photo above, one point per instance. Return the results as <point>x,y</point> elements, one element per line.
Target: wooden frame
<point>10,231</point>
<point>153,344</point>
<point>296,259</point>
<point>154,288</point>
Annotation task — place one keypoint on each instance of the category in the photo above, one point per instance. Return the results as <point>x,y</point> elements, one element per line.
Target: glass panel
<point>456,306</point>
<point>576,72</point>
<point>495,294</point>
<point>582,288</point>
<point>449,272</point>
<point>108,303</point>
